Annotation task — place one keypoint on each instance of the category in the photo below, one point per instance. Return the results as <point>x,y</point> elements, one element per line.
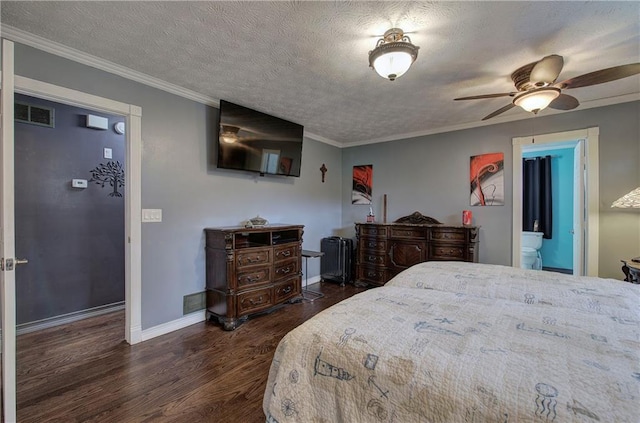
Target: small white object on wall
<point>107,153</point>
<point>79,183</point>
<point>119,127</point>
<point>152,215</point>
<point>97,122</point>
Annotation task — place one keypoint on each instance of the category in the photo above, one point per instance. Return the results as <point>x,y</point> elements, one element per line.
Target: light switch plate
<point>152,215</point>
<point>108,153</point>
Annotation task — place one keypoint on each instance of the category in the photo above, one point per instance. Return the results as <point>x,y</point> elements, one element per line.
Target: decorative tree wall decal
<point>111,173</point>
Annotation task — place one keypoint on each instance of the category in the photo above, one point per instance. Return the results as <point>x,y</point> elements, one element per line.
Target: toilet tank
<point>532,240</point>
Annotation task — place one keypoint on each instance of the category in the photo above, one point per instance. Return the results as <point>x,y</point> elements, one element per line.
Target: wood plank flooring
<point>86,372</point>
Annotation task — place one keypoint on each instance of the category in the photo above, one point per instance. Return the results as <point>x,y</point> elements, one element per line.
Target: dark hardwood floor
<point>86,372</point>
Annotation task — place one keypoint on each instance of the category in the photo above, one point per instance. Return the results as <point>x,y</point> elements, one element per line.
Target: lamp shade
<point>394,54</point>
<point>628,201</point>
<point>537,99</point>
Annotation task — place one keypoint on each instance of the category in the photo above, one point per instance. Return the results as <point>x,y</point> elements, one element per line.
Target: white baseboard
<point>68,318</point>
<point>181,323</point>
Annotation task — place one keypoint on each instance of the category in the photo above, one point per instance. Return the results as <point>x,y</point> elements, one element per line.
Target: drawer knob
<point>286,253</point>
<point>284,270</point>
<point>371,274</point>
<point>259,301</point>
<point>287,290</point>
<point>372,244</point>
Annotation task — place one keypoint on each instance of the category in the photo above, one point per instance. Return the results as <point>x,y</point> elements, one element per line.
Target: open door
<point>7,237</point>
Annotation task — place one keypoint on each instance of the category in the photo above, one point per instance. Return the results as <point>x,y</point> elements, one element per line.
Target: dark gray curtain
<point>536,195</point>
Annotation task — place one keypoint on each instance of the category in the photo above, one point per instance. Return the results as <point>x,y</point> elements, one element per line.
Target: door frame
<point>133,207</point>
<point>587,157</point>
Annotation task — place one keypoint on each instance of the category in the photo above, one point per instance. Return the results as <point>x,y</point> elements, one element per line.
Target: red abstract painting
<point>486,178</point>
<point>362,184</point>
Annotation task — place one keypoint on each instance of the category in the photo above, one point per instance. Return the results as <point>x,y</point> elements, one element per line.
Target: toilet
<point>530,252</point>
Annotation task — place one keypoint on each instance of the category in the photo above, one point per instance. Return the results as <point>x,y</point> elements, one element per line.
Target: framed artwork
<point>362,184</point>
<point>486,180</point>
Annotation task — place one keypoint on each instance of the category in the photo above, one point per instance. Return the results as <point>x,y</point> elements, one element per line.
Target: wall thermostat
<point>79,183</point>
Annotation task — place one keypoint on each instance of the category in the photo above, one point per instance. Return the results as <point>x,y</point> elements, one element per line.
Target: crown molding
<point>48,46</point>
<point>61,50</point>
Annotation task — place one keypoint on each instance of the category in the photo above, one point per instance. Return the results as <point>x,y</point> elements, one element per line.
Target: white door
<point>7,234</point>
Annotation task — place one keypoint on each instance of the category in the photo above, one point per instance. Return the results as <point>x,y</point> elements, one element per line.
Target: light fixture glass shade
<point>394,54</point>
<point>229,138</point>
<point>229,133</point>
<point>628,201</point>
<point>536,100</point>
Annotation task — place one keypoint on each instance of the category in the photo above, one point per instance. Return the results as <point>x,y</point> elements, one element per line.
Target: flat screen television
<point>257,142</point>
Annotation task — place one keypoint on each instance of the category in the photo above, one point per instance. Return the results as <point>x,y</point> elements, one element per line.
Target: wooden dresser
<point>251,270</point>
<point>386,249</point>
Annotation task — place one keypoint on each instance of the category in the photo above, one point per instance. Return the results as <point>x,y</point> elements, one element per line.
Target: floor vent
<point>194,302</point>
<point>35,115</point>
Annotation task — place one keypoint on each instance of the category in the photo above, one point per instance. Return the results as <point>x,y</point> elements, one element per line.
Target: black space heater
<point>337,262</point>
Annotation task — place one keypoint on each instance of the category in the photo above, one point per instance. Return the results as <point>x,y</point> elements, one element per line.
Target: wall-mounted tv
<point>257,142</point>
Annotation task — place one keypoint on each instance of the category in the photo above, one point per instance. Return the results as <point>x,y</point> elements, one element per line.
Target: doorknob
<point>9,263</point>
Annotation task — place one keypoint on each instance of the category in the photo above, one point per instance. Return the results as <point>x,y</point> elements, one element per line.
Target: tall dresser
<point>386,249</point>
<point>251,270</point>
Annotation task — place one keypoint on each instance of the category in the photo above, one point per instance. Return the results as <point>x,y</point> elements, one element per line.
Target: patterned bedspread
<point>461,342</point>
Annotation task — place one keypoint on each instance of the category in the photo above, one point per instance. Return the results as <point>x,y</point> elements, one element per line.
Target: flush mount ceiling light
<point>536,99</point>
<point>394,54</point>
<point>229,134</point>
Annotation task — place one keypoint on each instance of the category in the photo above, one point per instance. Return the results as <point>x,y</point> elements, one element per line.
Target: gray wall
<point>73,238</point>
<point>429,174</point>
<point>177,178</point>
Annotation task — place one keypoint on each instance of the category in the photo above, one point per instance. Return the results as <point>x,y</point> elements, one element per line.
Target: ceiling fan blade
<point>601,76</point>
<point>564,102</point>
<point>547,69</point>
<point>477,97</point>
<point>497,112</point>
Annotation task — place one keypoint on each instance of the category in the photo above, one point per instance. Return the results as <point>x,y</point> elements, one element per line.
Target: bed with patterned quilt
<point>465,342</point>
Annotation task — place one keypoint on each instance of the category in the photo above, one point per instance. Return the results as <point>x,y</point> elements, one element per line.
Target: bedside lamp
<point>629,201</point>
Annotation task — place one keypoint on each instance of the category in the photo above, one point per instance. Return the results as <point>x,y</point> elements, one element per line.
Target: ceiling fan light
<point>394,54</point>
<point>537,99</point>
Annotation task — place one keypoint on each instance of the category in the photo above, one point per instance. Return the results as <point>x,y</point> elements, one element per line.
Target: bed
<point>465,342</point>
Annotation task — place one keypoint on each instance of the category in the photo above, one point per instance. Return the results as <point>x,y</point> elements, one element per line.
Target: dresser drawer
<point>255,300</point>
<point>447,252</point>
<point>254,276</point>
<point>373,245</point>
<point>254,257</point>
<point>372,258</point>
<point>372,230</point>
<point>372,274</point>
<point>285,269</point>
<point>416,233</point>
<point>286,290</point>
<point>285,252</point>
<point>448,234</point>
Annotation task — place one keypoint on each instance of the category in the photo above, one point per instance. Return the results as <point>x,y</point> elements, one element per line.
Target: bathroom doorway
<point>584,227</point>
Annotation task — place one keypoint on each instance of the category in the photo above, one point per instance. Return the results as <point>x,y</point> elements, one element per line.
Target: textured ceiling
<point>308,61</point>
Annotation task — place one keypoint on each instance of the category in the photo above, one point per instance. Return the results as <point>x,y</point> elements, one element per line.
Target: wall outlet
<point>194,302</point>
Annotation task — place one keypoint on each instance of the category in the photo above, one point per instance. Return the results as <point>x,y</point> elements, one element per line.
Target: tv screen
<point>257,142</point>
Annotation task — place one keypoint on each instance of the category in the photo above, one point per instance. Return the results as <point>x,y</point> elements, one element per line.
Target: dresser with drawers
<point>251,270</point>
<point>386,249</point>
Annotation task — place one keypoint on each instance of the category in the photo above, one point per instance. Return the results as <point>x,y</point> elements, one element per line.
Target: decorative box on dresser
<point>386,249</point>
<point>251,270</point>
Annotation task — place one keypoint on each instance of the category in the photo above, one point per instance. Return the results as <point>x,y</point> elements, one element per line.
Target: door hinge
<point>1,264</point>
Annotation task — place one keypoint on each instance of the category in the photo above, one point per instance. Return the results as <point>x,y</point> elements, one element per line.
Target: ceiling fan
<point>537,87</point>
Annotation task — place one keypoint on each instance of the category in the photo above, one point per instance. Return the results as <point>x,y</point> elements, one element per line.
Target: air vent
<point>35,115</point>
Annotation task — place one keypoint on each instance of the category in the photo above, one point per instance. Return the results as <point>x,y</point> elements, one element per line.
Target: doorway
<point>12,83</point>
<point>69,213</point>
<point>585,193</point>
